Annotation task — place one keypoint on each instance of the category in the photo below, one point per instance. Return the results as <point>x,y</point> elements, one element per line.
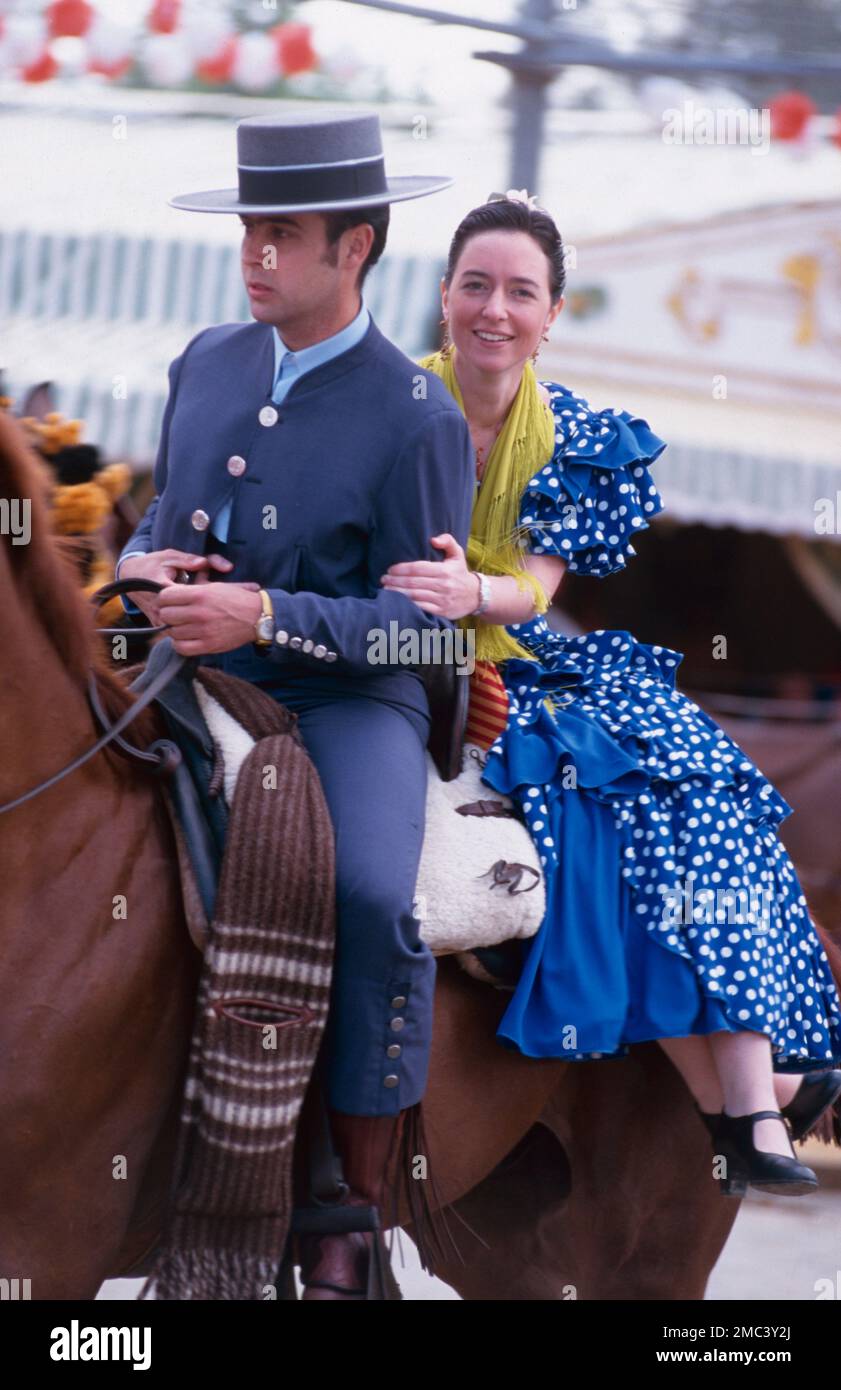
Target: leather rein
<point>162,755</point>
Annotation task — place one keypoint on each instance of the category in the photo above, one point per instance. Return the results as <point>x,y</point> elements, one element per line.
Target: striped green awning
<point>102,316</point>
<point>779,494</point>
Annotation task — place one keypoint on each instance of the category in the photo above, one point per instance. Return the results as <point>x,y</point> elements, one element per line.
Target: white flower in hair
<point>522,195</point>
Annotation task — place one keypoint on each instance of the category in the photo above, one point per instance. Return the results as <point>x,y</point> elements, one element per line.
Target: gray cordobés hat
<point>310,163</point>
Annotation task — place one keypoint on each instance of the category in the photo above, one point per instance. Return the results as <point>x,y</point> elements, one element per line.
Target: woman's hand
<point>446,587</point>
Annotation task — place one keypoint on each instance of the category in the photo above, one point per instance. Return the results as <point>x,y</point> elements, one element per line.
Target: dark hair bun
<point>511,215</point>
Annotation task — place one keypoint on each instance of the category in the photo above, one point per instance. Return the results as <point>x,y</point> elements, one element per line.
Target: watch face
<point>264,628</point>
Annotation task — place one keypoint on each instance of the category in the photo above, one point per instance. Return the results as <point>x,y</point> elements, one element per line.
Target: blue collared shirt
<point>288,367</point>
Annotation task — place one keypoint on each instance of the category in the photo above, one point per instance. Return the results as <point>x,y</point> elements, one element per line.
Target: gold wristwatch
<point>264,626</point>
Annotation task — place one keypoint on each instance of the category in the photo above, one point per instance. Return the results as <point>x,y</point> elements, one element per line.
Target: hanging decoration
<point>69,19</point>
<point>293,45</point>
<point>791,115</point>
<point>177,42</point>
<point>109,48</point>
<point>163,16</point>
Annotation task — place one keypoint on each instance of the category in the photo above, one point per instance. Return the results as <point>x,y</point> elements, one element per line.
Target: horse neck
<point>46,717</point>
<point>48,651</point>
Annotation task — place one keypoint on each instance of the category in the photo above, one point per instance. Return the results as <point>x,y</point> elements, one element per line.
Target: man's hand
<point>210,618</point>
<point>165,566</point>
<point>446,587</point>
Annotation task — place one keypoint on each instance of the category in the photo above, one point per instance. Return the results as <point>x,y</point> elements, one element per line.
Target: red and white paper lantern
<point>166,59</point>
<point>255,62</point>
<point>110,48</point>
<point>69,19</point>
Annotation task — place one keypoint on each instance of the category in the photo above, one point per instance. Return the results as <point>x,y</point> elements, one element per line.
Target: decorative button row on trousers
<point>394,1049</point>
<point>304,644</point>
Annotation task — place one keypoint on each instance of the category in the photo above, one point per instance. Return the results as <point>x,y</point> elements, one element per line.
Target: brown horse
<point>580,1180</point>
<point>802,758</point>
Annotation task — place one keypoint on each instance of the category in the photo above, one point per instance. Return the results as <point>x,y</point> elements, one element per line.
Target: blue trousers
<point>371,760</point>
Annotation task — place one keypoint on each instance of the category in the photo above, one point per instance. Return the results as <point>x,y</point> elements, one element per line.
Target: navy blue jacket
<point>365,459</point>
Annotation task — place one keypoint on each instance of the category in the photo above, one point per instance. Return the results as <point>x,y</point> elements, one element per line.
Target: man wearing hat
<point>304,454</point>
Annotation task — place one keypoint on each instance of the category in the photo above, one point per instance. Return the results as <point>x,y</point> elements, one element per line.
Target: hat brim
<point>400,188</point>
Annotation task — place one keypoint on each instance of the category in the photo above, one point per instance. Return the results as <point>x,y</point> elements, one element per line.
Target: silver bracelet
<point>484,594</point>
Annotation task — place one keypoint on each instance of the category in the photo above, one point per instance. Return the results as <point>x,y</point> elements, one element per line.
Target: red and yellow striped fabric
<point>488,708</point>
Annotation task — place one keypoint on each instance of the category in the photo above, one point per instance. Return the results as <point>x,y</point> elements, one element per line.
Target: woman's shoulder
<point>595,491</point>
<point>609,437</point>
<point>567,402</point>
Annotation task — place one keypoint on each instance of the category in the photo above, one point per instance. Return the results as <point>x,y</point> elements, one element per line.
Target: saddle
<point>480,889</point>
<point>200,811</point>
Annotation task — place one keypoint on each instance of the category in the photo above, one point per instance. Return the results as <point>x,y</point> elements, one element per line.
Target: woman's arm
<point>511,604</point>
<point>452,589</point>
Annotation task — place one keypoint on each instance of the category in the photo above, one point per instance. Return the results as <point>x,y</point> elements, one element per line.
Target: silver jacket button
<point>281,637</point>
<point>296,642</point>
<point>308,645</point>
<point>268,415</point>
<point>331,656</point>
<point>391,1080</point>
<point>200,520</point>
<point>236,466</point>
<point>396,1024</point>
<point>394,1050</point>
<point>398,1002</point>
<point>320,650</point>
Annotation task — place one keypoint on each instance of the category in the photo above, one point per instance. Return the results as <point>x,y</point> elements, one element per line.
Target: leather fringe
<point>828,1128</point>
<point>430,1227</point>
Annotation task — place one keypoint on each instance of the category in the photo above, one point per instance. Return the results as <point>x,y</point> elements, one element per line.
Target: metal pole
<point>546,53</point>
<point>530,91</point>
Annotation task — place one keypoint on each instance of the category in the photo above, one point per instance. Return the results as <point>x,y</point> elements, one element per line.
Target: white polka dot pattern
<point>707,875</point>
<point>595,492</point>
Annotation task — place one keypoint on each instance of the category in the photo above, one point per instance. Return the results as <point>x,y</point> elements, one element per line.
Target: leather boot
<point>354,1266</point>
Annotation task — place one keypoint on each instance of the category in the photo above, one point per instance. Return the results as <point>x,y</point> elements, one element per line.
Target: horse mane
<point>44,571</point>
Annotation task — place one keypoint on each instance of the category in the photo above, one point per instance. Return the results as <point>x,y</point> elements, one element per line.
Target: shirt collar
<point>315,356</point>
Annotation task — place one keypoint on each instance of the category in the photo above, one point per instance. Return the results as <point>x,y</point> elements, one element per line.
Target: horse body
<point>803,760</point>
<point>97,968</point>
<point>590,1176</point>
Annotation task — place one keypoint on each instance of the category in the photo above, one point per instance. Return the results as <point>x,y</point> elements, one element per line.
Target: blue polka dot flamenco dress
<point>673,908</point>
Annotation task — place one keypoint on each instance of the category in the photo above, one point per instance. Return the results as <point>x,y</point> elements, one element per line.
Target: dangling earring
<point>447,345</point>
<point>536,353</point>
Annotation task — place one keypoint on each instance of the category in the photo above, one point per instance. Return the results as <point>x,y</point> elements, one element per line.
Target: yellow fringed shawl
<point>524,445</point>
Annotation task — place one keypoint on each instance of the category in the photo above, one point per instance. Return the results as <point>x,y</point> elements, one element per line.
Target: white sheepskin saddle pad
<point>479,882</point>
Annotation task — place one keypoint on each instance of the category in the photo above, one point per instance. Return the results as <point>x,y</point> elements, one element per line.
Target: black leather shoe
<point>711,1119</point>
<point>747,1165</point>
<point>816,1093</point>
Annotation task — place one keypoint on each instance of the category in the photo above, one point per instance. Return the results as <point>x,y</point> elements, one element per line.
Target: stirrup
<point>380,1282</point>
<point>337,1288</point>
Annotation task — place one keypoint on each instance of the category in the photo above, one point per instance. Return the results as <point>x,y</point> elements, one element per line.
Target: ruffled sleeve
<point>595,491</point>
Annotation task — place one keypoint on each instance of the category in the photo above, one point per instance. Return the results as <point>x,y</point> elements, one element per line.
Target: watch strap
<point>262,636</point>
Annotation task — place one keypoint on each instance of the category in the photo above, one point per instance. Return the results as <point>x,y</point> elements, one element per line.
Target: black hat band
<point>324,184</point>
